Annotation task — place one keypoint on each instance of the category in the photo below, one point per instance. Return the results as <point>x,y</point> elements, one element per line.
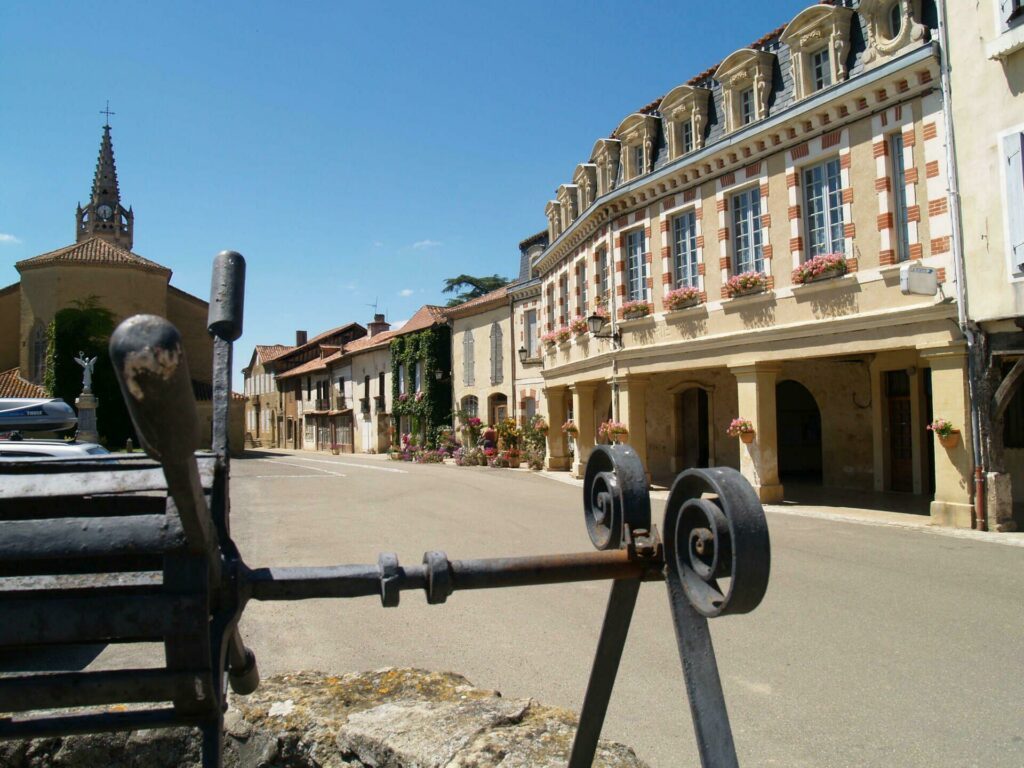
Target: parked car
<point>19,450</point>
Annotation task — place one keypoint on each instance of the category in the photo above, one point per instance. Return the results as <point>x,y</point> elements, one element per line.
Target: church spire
<point>104,216</point>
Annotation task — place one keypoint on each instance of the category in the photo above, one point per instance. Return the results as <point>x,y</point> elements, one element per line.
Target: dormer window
<point>895,21</point>
<point>747,112</point>
<point>638,160</point>
<point>685,109</point>
<point>818,40</point>
<point>605,158</point>
<point>637,133</point>
<point>821,70</point>
<point>746,78</point>
<point>891,26</point>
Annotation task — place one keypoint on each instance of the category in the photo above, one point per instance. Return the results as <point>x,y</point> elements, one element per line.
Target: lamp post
<point>596,322</point>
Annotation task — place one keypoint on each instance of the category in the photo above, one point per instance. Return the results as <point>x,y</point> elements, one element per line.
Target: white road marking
<point>267,477</point>
<point>303,466</point>
<point>341,464</point>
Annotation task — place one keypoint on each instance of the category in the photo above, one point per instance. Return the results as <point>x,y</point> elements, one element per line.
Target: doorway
<point>901,438</point>
<point>497,408</point>
<point>694,429</point>
<point>798,422</point>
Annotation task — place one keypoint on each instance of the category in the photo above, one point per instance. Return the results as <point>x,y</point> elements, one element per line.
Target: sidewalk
<point>858,515</point>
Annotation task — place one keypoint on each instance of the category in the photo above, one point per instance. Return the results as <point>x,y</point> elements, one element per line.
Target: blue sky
<point>352,152</point>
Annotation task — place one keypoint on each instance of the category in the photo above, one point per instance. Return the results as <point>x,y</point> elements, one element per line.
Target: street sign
<point>918,281</point>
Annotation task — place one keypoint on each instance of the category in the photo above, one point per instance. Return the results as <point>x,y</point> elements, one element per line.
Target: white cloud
<point>426,244</point>
<point>8,239</point>
<point>406,292</point>
<point>397,324</point>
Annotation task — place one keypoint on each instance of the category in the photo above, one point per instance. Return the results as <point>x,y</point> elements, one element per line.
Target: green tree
<point>469,287</point>
<point>86,327</point>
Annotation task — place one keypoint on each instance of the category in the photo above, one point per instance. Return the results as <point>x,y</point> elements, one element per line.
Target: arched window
<point>496,354</point>
<point>470,405</point>
<point>467,358</point>
<point>39,348</point>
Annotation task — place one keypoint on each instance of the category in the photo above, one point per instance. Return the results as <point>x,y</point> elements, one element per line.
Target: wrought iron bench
<point>140,550</point>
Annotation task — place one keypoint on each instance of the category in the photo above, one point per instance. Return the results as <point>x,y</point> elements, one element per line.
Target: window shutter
<point>1012,148</point>
<point>496,350</point>
<point>467,359</point>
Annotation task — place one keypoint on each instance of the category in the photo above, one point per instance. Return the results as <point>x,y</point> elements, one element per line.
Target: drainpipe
<point>613,319</point>
<point>967,326</point>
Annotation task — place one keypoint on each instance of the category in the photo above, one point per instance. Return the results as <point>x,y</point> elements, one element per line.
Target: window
<point>899,198</point>
<point>417,384</point>
<point>563,298</point>
<point>401,380</point>
<point>823,200</point>
<point>531,333</point>
<point>747,106</point>
<point>746,225</point>
<point>602,274</point>
<point>380,387</point>
<point>636,265</point>
<point>684,247</point>
<point>687,135</point>
<point>821,69</point>
<point>1013,419</point>
<point>551,307</point>
<point>470,405</point>
<point>638,159</point>
<point>467,358</point>
<point>366,387</point>
<point>582,286</point>
<point>529,409</point>
<point>895,20</point>
<point>1014,170</point>
<point>497,358</point>
<point>309,387</point>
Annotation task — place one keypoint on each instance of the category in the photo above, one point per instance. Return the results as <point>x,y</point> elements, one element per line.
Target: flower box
<point>746,283</point>
<point>823,267</point>
<point>579,326</point>
<point>634,310</point>
<point>681,298</point>
<point>563,334</point>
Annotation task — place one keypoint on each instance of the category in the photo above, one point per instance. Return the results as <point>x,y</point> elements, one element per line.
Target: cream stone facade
<point>483,357</point>
<point>800,145</point>
<point>986,58</point>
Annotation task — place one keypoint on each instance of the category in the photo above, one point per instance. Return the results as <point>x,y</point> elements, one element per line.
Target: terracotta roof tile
<point>94,251</point>
<point>480,303</point>
<point>316,364</point>
<point>425,317</point>
<point>12,385</point>
<point>267,352</point>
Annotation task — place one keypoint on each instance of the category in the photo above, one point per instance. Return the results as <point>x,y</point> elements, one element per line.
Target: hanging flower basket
<point>952,440</point>
<point>570,428</point>
<point>612,432</point>
<point>741,428</point>
<point>949,436</point>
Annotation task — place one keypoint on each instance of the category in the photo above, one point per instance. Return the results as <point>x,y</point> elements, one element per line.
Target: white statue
<point>87,366</point>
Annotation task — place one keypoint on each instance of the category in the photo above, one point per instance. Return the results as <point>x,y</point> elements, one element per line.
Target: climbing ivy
<point>431,348</point>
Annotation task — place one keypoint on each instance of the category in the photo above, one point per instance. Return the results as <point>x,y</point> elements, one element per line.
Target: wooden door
<point>901,438</point>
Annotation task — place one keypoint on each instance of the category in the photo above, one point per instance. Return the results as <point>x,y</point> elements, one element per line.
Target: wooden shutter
<point>1012,148</point>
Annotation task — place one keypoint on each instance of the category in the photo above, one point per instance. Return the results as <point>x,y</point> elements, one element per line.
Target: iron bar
<point>88,537</point>
<point>101,722</point>
<point>84,689</point>
<point>617,617</point>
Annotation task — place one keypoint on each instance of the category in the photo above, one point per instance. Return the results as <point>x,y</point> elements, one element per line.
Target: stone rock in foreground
<point>391,718</point>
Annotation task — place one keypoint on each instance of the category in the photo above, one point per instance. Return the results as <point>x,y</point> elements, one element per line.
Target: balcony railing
<point>364,405</point>
<point>321,404</point>
<point>340,403</point>
<point>379,403</point>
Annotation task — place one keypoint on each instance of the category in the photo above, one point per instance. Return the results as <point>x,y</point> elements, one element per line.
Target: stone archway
<point>497,408</point>
<point>798,421</point>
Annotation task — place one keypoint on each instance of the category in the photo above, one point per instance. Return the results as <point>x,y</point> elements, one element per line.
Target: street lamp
<point>522,355</point>
<point>596,322</point>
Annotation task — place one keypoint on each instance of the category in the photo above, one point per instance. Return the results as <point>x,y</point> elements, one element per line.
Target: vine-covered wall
<point>432,348</point>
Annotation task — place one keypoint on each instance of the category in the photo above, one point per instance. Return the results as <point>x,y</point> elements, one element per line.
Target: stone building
<point>483,355</point>
<point>100,264</point>
<point>745,234</point>
<point>263,400</point>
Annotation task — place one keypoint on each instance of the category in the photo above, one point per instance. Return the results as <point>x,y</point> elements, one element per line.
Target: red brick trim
<point>852,264</point>
<point>913,213</point>
<point>663,227</point>
<point>723,263</point>
<point>723,233</point>
<point>620,266</point>
<point>880,149</point>
<point>910,175</point>
<point>700,268</point>
<point>884,221</point>
<point>666,278</point>
<point>938,207</point>
<point>930,131</point>
<point>791,179</point>
<point>722,204</point>
<point>753,169</point>
<point>622,221</point>
<point>665,251</point>
<point>638,217</point>
<point>940,244</point>
<point>729,178</point>
<point>850,230</point>
<point>916,251</point>
<point>689,195</point>
<point>848,195</point>
<point>668,202</point>
<point>902,86</point>
<point>862,103</point>
<point>796,243</point>
<point>764,189</point>
<point>766,250</point>
<point>941,274</point>
<point>887,257</point>
<point>800,150</point>
<point>793,212</point>
<point>924,77</point>
<point>766,220</point>
<point>883,184</point>
<point>844,160</point>
<point>831,139</point>
<point>931,169</point>
<point>700,241</point>
<point>909,137</point>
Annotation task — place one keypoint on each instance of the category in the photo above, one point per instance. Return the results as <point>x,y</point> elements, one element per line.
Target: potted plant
<point>741,428</point>
<point>563,334</point>
<point>571,429</point>
<point>823,267</point>
<point>509,433</point>
<point>549,338</point>
<point>948,435</point>
<point>513,457</point>
<point>681,298</point>
<point>633,310</point>
<point>578,325</point>
<point>335,448</point>
<point>746,282</point>
<point>612,432</point>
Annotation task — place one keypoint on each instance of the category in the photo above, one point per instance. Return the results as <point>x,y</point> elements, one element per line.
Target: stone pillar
<point>558,445</point>
<point>954,482</point>
<point>583,411</point>
<point>87,403</point>
<point>759,460</point>
<point>633,413</point>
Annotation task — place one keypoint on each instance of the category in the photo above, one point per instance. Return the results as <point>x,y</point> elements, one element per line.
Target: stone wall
<point>391,718</point>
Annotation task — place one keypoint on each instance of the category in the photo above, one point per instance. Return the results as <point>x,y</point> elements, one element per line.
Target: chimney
<point>300,338</point>
<point>379,325</point>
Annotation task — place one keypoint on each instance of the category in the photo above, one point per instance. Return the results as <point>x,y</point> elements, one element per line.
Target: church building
<point>100,263</point>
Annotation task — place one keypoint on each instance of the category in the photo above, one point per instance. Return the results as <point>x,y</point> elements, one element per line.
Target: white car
<point>20,450</point>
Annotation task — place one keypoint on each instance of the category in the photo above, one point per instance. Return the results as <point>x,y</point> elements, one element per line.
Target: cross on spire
<point>108,113</point>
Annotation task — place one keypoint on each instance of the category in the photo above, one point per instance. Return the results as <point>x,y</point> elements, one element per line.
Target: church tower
<point>104,216</point>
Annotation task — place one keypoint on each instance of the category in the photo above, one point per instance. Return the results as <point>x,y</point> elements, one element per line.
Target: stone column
<point>759,460</point>
<point>633,413</point>
<point>87,403</point>
<point>953,466</point>
<point>583,411</point>
<point>558,446</point>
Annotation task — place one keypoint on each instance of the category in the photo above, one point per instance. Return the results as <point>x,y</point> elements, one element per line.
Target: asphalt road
<point>874,646</point>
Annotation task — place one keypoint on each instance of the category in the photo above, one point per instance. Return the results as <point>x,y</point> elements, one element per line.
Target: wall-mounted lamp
<point>522,355</point>
<point>596,322</point>
<point>438,374</point>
